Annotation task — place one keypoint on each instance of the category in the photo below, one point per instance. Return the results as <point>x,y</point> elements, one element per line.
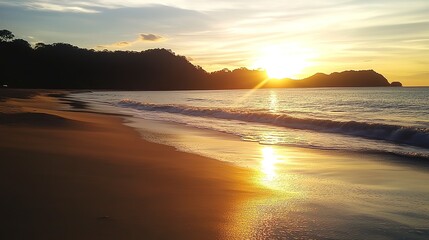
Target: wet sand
<point>319,194</point>
<point>73,174</point>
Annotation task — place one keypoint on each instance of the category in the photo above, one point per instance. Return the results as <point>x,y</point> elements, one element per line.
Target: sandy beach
<point>73,174</point>
<point>74,169</point>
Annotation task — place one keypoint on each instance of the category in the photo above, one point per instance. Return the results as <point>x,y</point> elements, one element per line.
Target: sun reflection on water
<point>273,101</point>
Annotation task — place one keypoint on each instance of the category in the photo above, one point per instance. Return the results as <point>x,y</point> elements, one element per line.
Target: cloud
<point>59,8</point>
<point>188,4</point>
<point>150,37</point>
<point>77,7</point>
<point>116,45</point>
<point>122,44</point>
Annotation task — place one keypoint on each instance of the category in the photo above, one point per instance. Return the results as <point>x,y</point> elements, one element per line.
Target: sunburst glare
<point>283,62</point>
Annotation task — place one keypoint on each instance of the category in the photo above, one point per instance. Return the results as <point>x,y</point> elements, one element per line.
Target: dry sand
<point>79,175</point>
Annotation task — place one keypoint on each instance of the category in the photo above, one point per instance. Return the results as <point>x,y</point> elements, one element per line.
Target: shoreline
<point>333,189</point>
<point>345,129</point>
<point>61,181</point>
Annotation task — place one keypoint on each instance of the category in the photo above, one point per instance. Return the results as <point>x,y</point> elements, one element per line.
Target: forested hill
<point>362,78</point>
<point>65,66</point>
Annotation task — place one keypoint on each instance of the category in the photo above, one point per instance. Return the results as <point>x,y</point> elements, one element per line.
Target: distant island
<point>64,66</point>
<point>396,84</point>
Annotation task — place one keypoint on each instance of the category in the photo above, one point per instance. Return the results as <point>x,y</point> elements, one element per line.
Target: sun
<point>280,63</point>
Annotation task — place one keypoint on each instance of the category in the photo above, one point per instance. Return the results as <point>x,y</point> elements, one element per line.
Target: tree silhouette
<point>6,35</point>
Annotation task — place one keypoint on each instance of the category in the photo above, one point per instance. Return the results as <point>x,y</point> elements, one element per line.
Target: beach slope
<point>73,174</point>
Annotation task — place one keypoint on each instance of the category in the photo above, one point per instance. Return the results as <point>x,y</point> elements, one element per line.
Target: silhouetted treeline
<point>64,66</point>
<point>237,78</point>
<point>362,78</point>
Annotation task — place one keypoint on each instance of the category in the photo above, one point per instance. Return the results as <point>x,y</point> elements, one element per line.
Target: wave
<point>418,137</point>
<point>396,152</point>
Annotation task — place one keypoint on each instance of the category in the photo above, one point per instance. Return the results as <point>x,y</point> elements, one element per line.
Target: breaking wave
<point>417,137</point>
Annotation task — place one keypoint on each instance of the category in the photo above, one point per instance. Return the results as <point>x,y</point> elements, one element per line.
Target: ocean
<point>347,163</point>
<point>378,120</point>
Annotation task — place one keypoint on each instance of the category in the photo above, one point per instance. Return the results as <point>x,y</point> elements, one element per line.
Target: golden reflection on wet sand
<point>255,218</point>
<point>268,165</point>
<point>273,169</point>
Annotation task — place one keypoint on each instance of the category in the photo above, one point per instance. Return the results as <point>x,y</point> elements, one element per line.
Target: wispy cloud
<point>42,6</point>
<point>122,44</point>
<point>54,6</point>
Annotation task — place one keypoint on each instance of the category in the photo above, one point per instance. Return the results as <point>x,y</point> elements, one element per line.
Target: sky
<point>288,38</point>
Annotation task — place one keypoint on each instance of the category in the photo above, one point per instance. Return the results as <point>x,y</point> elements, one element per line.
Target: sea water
<point>348,163</point>
<point>385,120</point>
